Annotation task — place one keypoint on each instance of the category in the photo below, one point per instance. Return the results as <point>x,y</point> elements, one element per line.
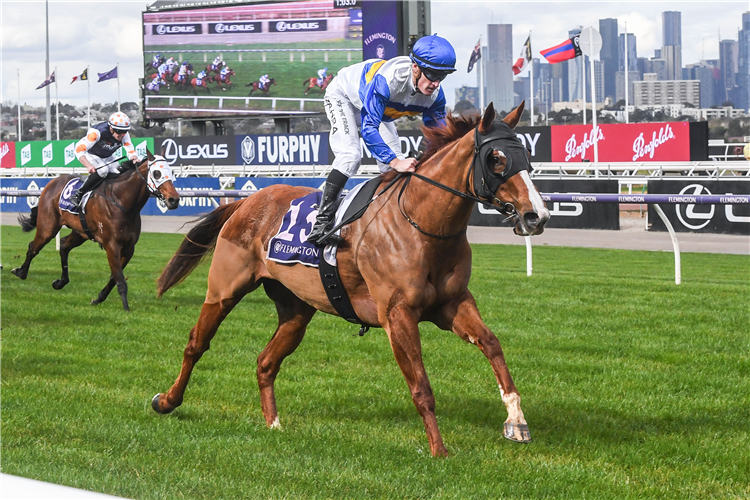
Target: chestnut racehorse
<point>113,215</point>
<point>224,80</point>
<point>406,260</point>
<point>312,82</point>
<point>204,83</point>
<point>257,86</point>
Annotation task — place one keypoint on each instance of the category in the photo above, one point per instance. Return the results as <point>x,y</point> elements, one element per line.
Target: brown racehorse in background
<point>397,272</point>
<point>311,83</point>
<point>221,80</point>
<point>204,84</point>
<point>113,214</point>
<point>257,86</point>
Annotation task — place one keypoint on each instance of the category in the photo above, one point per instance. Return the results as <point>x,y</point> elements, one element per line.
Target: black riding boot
<point>327,210</point>
<point>92,181</point>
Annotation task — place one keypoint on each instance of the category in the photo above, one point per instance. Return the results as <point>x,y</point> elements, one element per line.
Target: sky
<point>102,33</point>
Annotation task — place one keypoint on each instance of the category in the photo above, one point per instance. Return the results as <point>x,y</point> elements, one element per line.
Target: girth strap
<point>337,295</point>
<point>84,224</point>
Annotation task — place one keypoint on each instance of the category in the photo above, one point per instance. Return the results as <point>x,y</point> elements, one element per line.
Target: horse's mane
<point>454,129</point>
<point>128,170</point>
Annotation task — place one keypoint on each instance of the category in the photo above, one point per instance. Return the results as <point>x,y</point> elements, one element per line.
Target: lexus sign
<point>206,150</point>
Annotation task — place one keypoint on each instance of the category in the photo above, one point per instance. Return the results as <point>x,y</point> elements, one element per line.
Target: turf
<point>633,387</point>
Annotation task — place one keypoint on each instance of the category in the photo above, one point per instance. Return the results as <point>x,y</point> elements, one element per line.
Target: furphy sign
<point>234,28</point>
<point>282,149</point>
<point>298,25</point>
<point>635,142</point>
<point>177,29</point>
<point>203,150</point>
<point>731,217</point>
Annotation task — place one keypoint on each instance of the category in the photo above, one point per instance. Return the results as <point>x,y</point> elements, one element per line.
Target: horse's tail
<point>306,81</point>
<point>199,242</point>
<point>28,223</point>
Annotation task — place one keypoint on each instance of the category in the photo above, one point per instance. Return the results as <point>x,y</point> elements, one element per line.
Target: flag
<point>475,56</point>
<point>569,49</point>
<point>108,75</point>
<point>82,76</point>
<point>524,57</point>
<point>46,82</point>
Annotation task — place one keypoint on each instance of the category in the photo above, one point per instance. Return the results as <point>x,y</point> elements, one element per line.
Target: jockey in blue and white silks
<point>372,94</point>
<point>199,78</point>
<point>155,83</point>
<point>217,63</point>
<point>322,76</point>
<point>224,72</point>
<point>263,81</point>
<point>156,61</point>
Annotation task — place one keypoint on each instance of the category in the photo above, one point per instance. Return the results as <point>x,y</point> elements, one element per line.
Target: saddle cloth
<point>70,188</point>
<point>290,246</point>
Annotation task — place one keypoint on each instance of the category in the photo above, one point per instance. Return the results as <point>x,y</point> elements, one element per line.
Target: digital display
<point>268,57</point>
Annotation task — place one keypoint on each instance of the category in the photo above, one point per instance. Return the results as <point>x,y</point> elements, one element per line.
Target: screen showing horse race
<point>273,58</point>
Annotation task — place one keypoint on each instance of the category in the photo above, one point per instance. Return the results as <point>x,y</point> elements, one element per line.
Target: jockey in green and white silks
<point>370,95</point>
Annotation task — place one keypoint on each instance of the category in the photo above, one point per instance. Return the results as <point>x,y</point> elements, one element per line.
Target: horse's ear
<point>149,155</point>
<point>489,116</point>
<point>515,116</point>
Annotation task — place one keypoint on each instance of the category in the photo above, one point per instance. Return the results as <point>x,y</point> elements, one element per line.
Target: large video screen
<point>287,42</point>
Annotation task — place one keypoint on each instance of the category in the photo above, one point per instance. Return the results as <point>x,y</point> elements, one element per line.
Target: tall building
<point>609,54</point>
<point>543,90</point>
<point>499,76</point>
<point>559,82</point>
<point>671,50</point>
<point>632,52</point>
<point>743,64</point>
<point>651,92</point>
<point>729,64</point>
<point>705,73</point>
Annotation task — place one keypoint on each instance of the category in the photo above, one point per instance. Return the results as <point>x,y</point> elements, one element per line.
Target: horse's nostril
<point>531,219</point>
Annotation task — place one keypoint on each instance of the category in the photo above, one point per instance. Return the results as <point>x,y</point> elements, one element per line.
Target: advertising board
<point>729,218</point>
<point>282,149</point>
<point>7,155</point>
<point>21,204</point>
<point>188,206</point>
<point>287,41</point>
<point>197,150</point>
<point>380,32</point>
<point>566,215</point>
<point>40,154</point>
<point>635,142</point>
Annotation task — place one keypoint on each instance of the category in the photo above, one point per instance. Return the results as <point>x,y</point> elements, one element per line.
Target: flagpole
<point>48,123</point>
<point>594,132</point>
<point>57,108</point>
<point>88,111</point>
<point>627,117</point>
<point>481,77</point>
<point>18,72</point>
<point>531,76</point>
<point>118,86</point>
<point>583,86</point>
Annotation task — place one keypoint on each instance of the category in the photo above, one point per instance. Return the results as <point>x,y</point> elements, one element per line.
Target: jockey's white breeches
<point>344,140</point>
<point>102,169</point>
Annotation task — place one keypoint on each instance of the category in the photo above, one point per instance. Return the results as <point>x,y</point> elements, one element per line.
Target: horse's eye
<point>157,174</point>
<point>498,161</point>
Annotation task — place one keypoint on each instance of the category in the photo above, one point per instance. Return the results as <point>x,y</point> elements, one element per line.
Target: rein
<point>155,193</point>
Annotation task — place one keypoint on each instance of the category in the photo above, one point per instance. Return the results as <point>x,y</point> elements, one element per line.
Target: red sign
<point>7,155</point>
<point>621,142</point>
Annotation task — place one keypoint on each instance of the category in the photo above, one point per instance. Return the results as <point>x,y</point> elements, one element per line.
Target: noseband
<point>500,138</point>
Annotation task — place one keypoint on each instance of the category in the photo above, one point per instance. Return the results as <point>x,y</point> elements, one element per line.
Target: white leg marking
<point>512,403</point>
<point>472,339</point>
<point>276,424</point>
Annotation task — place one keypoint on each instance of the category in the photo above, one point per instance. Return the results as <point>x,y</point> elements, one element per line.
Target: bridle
<point>153,192</point>
<point>487,183</point>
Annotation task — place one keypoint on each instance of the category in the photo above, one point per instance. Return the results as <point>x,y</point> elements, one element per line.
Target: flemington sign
<point>636,142</point>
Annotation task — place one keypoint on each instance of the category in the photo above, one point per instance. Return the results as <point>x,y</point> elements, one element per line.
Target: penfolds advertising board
<point>634,142</point>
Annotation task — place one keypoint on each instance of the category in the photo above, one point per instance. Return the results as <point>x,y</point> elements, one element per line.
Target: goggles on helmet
<point>434,75</point>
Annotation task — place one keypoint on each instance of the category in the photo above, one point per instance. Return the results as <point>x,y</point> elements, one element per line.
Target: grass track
<point>633,387</point>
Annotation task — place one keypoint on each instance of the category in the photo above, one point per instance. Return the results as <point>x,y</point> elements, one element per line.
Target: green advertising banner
<point>40,154</point>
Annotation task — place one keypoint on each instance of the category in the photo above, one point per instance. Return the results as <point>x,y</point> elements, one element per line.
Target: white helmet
<point>119,121</point>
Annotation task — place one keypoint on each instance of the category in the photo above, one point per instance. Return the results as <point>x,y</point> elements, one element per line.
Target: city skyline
<point>106,36</point>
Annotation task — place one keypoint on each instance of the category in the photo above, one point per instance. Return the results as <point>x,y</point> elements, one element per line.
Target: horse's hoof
<point>58,284</point>
<point>18,271</point>
<point>517,432</point>
<point>157,408</point>
<point>96,302</point>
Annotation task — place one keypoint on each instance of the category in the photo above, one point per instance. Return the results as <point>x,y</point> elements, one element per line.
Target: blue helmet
<point>434,52</point>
